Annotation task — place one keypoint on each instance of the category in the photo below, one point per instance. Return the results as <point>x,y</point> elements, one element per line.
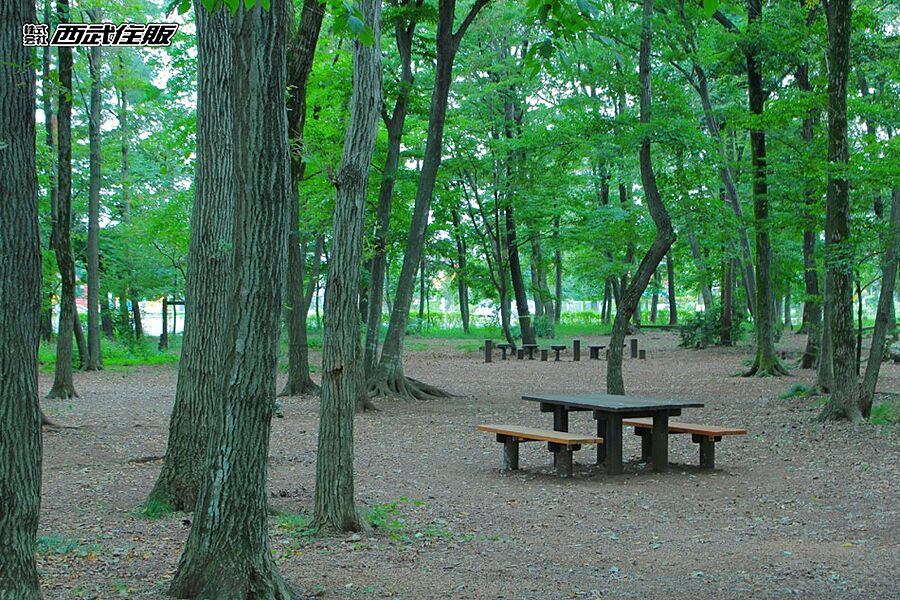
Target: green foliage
<point>59,545</point>
<point>798,390</point>
<point>122,353</point>
<point>543,326</point>
<point>153,510</point>
<point>704,328</point>
<point>297,525</point>
<point>886,412</point>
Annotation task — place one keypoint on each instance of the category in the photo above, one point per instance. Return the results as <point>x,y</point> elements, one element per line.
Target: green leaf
<point>710,7</point>
<point>266,4</point>
<point>355,24</point>
<point>589,7</point>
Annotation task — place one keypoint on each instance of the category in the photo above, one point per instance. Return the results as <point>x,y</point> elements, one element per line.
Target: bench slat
<point>542,435</point>
<point>678,427</point>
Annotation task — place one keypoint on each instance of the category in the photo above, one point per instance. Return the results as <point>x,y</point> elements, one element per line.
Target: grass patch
<point>49,545</point>
<point>153,509</point>
<point>121,353</point>
<point>885,413</point>
<point>798,390</point>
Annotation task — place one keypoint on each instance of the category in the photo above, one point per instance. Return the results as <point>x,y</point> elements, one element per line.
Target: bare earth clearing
<point>795,509</point>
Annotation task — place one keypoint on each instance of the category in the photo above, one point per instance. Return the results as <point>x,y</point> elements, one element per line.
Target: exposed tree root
<point>62,392</point>
<point>405,388</point>
<point>838,411</point>
<point>245,581</point>
<point>303,388</point>
<point>771,368</point>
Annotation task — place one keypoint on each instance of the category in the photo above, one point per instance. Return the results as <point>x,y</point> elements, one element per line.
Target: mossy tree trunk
<point>227,553</point>
<point>94,361</point>
<point>20,311</point>
<point>199,387</point>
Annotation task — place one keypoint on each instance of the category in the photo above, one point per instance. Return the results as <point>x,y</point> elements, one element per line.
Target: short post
<point>634,348</point>
<point>164,336</point>
<point>511,455</point>
<point>660,444</point>
<point>576,350</point>
<point>563,459</point>
<point>544,354</point>
<point>642,354</point>
<point>503,350</point>
<point>707,451</point>
<point>520,353</point>
<point>488,350</point>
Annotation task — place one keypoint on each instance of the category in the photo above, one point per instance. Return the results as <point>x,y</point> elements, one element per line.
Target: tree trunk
<point>300,55</point>
<point>845,398</point>
<point>227,552</point>
<point>557,262</point>
<point>136,315</point>
<point>670,274</point>
<point>164,334</point>
<point>654,299</point>
<point>787,308</point>
<point>421,293</point>
<point>665,235</point>
<point>94,360</point>
<point>518,282</point>
<point>20,311</point>
<point>461,282</point>
<point>198,392</point>
<point>63,385</point>
<point>540,282</point>
<point>106,320</point>
<point>701,267</point>
<point>403,31</point>
<point>766,361</point>
<point>299,380</point>
<point>50,134</point>
<point>389,379</point>
<point>727,320</point>
<point>335,508</point>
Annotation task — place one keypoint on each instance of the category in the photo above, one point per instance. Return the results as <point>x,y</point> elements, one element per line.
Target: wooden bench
<point>595,351</point>
<point>704,435</point>
<point>503,349</point>
<point>530,348</point>
<point>561,443</point>
<point>557,349</point>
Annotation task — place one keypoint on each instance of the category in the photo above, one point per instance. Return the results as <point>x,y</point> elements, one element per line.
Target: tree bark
<point>389,379</point>
<point>20,311</point>
<point>300,56</point>
<point>461,281</point>
<point>50,135</point>
<point>227,553</point>
<point>518,282</point>
<point>670,275</point>
<point>94,360</point>
<point>199,388</point>
<point>557,263</point>
<point>766,361</point>
<point>63,385</point>
<point>727,320</point>
<point>839,252</point>
<point>705,291</point>
<point>335,508</point>
<point>665,235</point>
<point>654,299</point>
<point>404,31</point>
<point>136,315</point>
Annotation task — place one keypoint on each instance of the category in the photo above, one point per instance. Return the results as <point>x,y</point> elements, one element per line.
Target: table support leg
<point>511,456</point>
<point>601,448</point>
<point>613,443</point>
<point>660,442</point>
<point>560,423</point>
<point>707,452</point>
<point>646,445</point>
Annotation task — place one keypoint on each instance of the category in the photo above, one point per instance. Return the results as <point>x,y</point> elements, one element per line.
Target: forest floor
<point>794,509</point>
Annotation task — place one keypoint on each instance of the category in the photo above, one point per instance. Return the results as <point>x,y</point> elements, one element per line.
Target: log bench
<point>561,443</point>
<point>704,435</point>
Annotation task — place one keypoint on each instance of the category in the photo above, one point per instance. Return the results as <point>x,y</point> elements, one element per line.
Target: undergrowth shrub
<point>703,329</point>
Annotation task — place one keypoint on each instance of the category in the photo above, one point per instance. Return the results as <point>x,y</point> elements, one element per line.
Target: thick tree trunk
<point>845,398</point>
<point>63,385</point>
<point>200,379</point>
<point>94,360</point>
<point>403,32</point>
<point>389,379</point>
<point>518,281</point>
<point>20,311</point>
<point>227,552</point>
<point>766,361</point>
<point>539,273</point>
<point>335,508</point>
<point>665,235</point>
<point>812,304</point>
<point>673,303</point>
<point>300,55</point>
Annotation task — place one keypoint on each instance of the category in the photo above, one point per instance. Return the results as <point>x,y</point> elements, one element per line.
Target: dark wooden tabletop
<point>611,403</point>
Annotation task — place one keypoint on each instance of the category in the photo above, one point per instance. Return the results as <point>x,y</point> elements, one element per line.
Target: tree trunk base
<point>62,391</point>
<point>771,367</point>
<point>838,411</point>
<point>174,492</point>
<point>223,579</point>
<point>405,388</point>
<point>300,388</point>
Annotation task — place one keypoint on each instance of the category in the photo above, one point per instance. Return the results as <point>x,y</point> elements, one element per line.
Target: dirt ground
<point>794,509</point>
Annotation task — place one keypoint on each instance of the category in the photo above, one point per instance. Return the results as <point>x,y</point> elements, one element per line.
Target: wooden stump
<point>634,348</point>
<point>576,350</point>
<point>642,354</point>
<point>544,353</point>
<point>488,351</point>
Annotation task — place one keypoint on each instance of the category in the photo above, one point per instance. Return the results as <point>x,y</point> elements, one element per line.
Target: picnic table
<point>609,410</point>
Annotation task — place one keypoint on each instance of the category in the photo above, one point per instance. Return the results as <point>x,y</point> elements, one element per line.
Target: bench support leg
<point>646,444</point>
<point>564,462</point>
<point>660,443</point>
<point>707,452</point>
<point>613,443</point>
<point>511,456</point>
<point>601,448</point>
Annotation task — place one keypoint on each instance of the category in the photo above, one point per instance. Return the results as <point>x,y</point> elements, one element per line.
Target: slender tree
<point>94,360</point>
<point>839,251</point>
<point>665,235</point>
<point>20,310</point>
<point>300,54</point>
<point>335,509</point>
<point>199,387</point>
<point>389,379</point>
<point>63,385</point>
